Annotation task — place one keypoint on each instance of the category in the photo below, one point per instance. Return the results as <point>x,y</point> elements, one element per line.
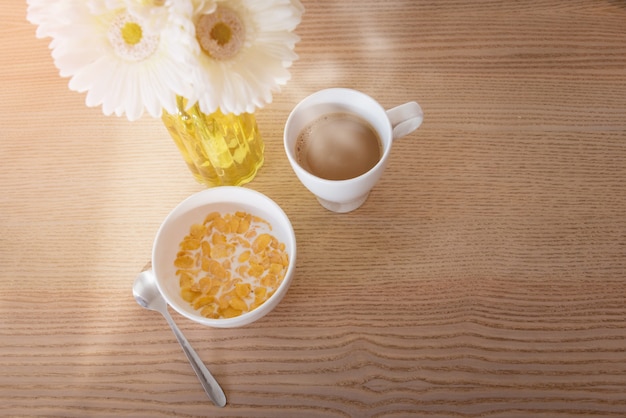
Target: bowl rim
<point>231,195</point>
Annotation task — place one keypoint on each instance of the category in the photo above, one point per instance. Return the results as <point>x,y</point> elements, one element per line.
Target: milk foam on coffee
<point>338,146</point>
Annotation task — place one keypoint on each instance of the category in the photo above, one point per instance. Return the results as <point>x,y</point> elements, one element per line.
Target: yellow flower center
<point>221,34</point>
<point>157,3</point>
<point>131,33</point>
<point>128,40</point>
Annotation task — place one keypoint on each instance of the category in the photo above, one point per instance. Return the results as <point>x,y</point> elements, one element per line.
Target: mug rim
<point>340,92</point>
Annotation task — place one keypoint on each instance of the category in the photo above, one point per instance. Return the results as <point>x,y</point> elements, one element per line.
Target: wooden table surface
<point>484,276</point>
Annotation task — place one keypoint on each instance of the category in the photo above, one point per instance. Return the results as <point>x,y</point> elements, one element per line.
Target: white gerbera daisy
<point>123,62</point>
<point>243,49</point>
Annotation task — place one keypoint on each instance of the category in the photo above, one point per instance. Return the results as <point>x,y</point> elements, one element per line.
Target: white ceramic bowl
<point>194,209</point>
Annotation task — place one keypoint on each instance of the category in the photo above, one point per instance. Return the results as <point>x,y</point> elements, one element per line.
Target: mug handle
<point>405,118</point>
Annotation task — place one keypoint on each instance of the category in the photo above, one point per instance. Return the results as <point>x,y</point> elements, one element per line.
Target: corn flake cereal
<point>230,264</point>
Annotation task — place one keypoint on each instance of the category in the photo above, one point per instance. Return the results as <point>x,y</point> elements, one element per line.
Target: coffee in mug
<point>338,146</point>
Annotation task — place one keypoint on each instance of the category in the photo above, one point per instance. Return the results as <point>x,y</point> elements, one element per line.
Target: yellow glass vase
<point>219,149</point>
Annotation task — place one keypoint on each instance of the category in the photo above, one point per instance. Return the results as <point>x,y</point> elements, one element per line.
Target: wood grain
<point>484,277</point>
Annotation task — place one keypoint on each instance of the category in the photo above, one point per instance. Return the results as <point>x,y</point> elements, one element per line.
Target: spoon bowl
<point>147,295</point>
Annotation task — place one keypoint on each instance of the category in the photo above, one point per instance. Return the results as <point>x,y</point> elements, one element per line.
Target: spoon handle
<point>210,385</point>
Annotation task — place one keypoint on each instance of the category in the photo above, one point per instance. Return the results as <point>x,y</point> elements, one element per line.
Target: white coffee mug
<point>347,195</point>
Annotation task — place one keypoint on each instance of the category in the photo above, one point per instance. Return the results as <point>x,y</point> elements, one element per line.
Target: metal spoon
<point>147,295</point>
